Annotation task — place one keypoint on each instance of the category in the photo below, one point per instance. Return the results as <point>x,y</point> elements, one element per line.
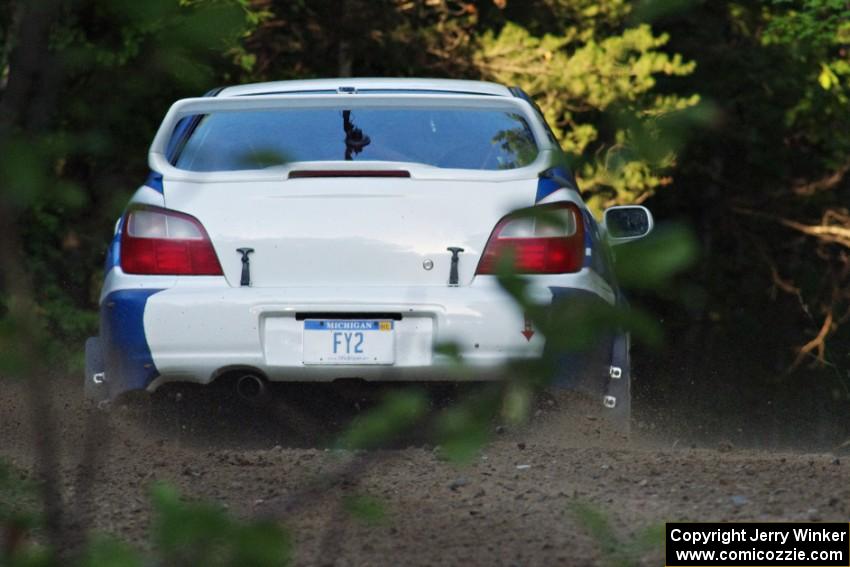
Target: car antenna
<point>355,139</point>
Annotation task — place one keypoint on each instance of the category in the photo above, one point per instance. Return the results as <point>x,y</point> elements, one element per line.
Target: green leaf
<point>200,533</point>
<point>615,550</point>
<point>516,405</point>
<point>464,428</point>
<point>650,263</point>
<point>395,415</point>
<point>827,77</point>
<point>106,551</point>
<point>365,508</point>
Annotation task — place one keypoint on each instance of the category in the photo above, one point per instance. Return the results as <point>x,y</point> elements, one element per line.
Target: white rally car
<point>342,228</point>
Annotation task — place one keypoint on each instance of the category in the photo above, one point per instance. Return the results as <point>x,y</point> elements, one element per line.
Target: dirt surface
<point>515,504</point>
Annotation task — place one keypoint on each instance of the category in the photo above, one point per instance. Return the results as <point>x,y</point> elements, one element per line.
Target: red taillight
<point>163,242</point>
<point>548,239</point>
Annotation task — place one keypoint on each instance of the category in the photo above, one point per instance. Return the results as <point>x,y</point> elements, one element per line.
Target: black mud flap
<point>618,393</point>
<point>583,370</point>
<point>94,386</point>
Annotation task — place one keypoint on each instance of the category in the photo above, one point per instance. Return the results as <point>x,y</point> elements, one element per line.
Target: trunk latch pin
<point>453,277</point>
<point>246,266</point>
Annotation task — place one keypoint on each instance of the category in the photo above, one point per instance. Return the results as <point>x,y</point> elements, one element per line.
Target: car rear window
<point>446,138</point>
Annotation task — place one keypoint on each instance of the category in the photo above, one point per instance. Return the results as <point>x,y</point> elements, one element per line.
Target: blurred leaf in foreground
<point>616,551</point>
<point>393,417</point>
<point>110,552</point>
<point>198,533</point>
<point>650,263</point>
<point>463,428</point>
<point>18,516</point>
<point>365,508</point>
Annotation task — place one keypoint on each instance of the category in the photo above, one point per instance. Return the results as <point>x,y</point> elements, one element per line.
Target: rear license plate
<point>348,341</point>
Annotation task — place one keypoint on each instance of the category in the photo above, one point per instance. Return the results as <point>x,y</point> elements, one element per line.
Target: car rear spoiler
<point>158,154</point>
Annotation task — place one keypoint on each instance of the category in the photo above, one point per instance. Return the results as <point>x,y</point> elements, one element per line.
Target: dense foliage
<point>766,186</point>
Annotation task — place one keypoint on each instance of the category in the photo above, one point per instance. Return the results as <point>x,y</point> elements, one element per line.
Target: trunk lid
<point>349,231</point>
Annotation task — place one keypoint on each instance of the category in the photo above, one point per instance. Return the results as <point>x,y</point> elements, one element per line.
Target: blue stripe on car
<point>551,180</point>
<point>599,258</point>
<point>113,252</point>
<point>154,181</point>
<point>127,356</point>
<point>546,187</point>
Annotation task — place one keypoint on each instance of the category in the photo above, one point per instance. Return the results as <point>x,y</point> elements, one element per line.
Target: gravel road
<point>515,504</point>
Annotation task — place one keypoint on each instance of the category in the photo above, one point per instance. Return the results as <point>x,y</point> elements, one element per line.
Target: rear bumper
<point>200,327</point>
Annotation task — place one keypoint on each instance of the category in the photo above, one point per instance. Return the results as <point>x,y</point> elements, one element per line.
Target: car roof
<point>374,85</point>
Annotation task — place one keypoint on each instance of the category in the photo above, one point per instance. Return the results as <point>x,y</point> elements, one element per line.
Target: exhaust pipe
<point>251,387</point>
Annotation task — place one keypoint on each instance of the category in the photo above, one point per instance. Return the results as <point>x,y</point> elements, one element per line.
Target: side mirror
<point>627,223</point>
